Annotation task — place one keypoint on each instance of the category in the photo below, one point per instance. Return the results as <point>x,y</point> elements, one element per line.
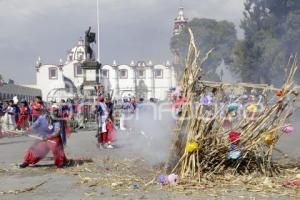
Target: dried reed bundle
<point>203,146</point>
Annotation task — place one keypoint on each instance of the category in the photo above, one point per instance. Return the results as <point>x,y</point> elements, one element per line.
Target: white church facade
<point>140,79</point>
<point>63,80</point>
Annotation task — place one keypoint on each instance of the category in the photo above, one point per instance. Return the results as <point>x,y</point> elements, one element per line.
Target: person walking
<point>102,114</point>
<point>12,112</point>
<point>23,120</point>
<point>111,134</point>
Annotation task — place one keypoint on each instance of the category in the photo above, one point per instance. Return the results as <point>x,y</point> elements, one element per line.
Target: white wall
<point>127,86</point>
<point>46,84</point>
<point>69,72</point>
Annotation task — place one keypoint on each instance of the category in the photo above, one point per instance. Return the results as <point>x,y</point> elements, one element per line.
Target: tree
<point>271,35</point>
<point>208,33</point>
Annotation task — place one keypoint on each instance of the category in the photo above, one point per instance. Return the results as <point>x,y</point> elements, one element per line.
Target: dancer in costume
<point>50,138</point>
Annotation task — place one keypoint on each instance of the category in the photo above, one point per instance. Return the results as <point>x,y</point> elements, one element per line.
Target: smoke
<point>149,133</point>
<point>289,144</point>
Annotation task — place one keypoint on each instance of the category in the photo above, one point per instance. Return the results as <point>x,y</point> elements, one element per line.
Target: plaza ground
<point>136,160</point>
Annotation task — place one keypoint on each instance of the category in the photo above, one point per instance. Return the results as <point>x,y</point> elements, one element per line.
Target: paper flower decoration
<point>289,129</point>
<point>234,136</point>
<point>206,100</point>
<point>233,107</point>
<point>172,179</point>
<point>234,154</point>
<point>252,108</point>
<point>191,147</point>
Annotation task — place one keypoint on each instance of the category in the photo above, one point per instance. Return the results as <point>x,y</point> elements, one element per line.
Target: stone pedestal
<point>91,70</point>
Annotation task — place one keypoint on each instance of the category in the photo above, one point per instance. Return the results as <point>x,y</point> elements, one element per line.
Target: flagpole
<point>98,31</point>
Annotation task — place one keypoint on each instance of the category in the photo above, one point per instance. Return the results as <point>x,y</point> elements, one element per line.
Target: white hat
<point>15,99</point>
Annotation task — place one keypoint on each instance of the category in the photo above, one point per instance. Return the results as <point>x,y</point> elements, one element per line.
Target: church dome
<point>77,53</point>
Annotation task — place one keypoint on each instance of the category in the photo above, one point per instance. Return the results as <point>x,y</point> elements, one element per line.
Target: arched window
<point>78,70</point>
<point>123,74</point>
<point>105,73</point>
<point>158,73</point>
<point>80,54</point>
<point>141,74</point>
<point>53,73</point>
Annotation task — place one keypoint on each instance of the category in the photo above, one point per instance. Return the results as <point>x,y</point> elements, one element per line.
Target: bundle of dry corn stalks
<point>230,128</point>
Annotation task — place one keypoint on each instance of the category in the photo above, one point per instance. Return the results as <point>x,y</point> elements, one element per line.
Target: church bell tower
<point>180,23</point>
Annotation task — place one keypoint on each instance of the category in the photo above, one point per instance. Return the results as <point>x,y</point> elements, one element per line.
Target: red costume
<point>102,138</point>
<point>40,149</point>
<point>37,108</point>
<point>108,136</point>
<point>53,138</point>
<point>23,117</point>
<point>111,135</point>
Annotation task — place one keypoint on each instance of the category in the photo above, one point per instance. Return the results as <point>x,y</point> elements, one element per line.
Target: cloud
<point>130,30</point>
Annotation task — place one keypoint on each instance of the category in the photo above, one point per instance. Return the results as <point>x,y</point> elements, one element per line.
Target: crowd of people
<point>18,115</point>
<point>229,105</point>
<point>49,123</point>
<point>109,118</point>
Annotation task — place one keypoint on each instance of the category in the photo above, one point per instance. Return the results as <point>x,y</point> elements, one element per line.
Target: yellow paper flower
<point>191,147</point>
<point>269,138</point>
<point>252,108</point>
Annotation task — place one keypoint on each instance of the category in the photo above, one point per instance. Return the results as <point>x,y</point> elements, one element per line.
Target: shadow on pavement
<point>69,163</point>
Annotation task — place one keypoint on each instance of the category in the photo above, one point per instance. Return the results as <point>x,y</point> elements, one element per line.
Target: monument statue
<point>91,67</point>
<point>90,37</point>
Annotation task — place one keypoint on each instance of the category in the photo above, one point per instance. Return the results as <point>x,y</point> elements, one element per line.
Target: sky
<point>130,29</point>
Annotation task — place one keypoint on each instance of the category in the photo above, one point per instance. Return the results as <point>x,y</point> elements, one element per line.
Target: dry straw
<point>200,143</point>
